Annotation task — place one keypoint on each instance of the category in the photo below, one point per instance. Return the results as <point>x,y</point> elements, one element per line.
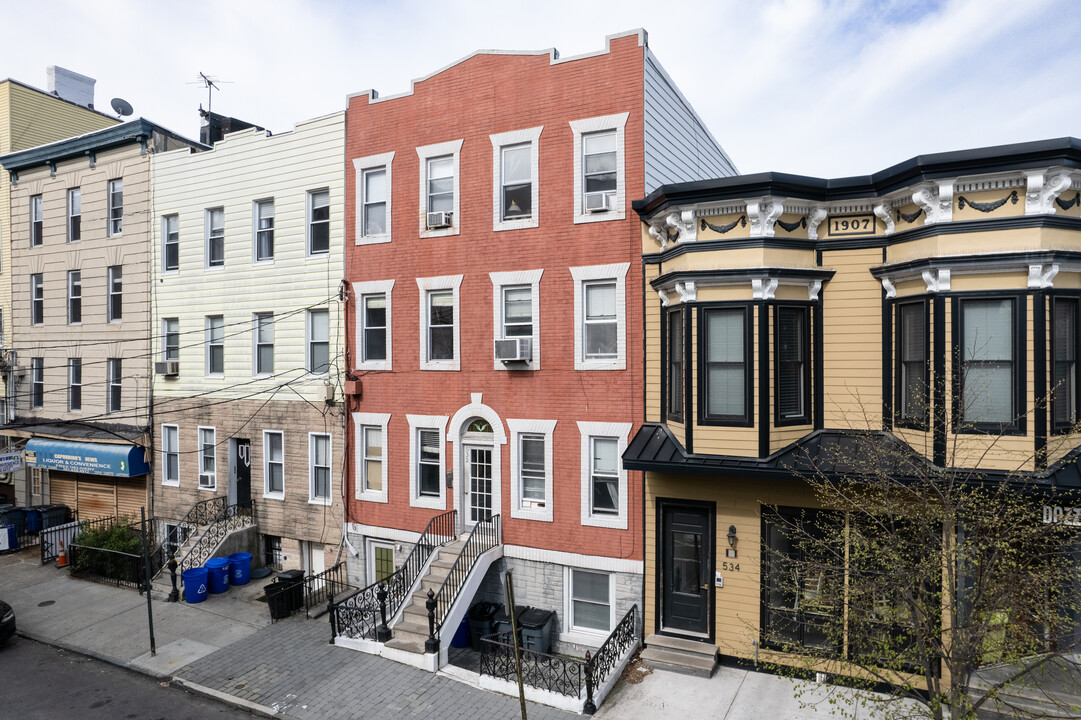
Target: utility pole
<point>517,650</point>
<point>146,572</point>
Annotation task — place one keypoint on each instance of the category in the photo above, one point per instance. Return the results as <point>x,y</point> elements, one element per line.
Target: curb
<point>227,699</point>
<point>68,647</point>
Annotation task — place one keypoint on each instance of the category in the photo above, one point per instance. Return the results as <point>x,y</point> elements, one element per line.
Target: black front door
<point>243,472</point>
<point>686,567</point>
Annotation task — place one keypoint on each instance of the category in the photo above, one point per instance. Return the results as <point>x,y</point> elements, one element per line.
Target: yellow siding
<point>743,258</point>
<point>652,368</point>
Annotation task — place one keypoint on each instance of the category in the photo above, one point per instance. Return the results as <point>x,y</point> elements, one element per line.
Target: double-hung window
<point>75,384</point>
<point>439,322</point>
<point>319,468</point>
<point>263,332</point>
<point>516,300</point>
<point>170,330</point>
<point>531,468</point>
<point>215,237</point>
<point>988,392</point>
<point>600,309</point>
<point>115,277</point>
<point>604,476</point>
<point>37,227</point>
<point>208,461</point>
<point>37,382</point>
<point>518,311</point>
<point>793,368</point>
<point>1064,385</point>
<point>170,455</point>
<point>599,174</point>
<point>373,198</point>
<point>116,206</point>
<point>375,202</point>
<point>370,455</point>
<point>273,464</point>
<point>170,252</point>
<point>264,230</point>
<point>37,300</point>
<point>427,462</point>
<point>515,171</point>
<point>318,222</point>
<point>725,375</point>
<point>75,214</point>
<point>675,364</point>
<point>604,480</point>
<point>590,600</point>
<point>215,345</point>
<point>114,368</point>
<point>318,342</point>
<point>439,185</point>
<point>913,366</point>
<point>373,326</point>
<point>75,297</point>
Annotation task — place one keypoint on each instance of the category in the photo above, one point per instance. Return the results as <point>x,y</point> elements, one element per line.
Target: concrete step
<point>409,644</point>
<point>667,642</point>
<point>680,662</point>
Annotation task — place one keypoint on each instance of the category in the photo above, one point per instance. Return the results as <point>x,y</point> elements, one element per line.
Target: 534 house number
<point>1065,515</point>
<point>730,566</point>
<point>852,225</point>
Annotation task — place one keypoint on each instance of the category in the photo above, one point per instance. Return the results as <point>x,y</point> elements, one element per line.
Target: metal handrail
<point>483,537</point>
<point>235,518</point>
<point>358,615</point>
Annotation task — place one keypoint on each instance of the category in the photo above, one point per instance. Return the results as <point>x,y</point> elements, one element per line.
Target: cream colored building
<point>246,270</point>
<point>80,274</point>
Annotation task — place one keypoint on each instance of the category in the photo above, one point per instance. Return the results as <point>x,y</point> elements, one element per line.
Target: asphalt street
<point>45,683</point>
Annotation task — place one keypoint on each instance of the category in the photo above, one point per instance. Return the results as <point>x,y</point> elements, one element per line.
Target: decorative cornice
<point>1067,204</point>
<point>936,202</point>
<point>909,217</point>
<point>763,288</point>
<point>763,214</point>
<point>722,229</point>
<point>664,297</point>
<point>1043,189</point>
<point>683,223</point>
<point>889,287</point>
<point>815,219</point>
<point>687,291</point>
<point>790,226</point>
<point>1041,277</point>
<point>813,289</point>
<point>986,207</point>
<point>937,280</point>
<point>882,212</point>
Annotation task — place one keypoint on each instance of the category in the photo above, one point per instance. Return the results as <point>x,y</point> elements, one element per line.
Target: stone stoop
<point>161,580</point>
<point>679,655</point>
<point>411,632</point>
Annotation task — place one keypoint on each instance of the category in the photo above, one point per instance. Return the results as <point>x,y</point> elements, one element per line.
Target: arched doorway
<point>478,487</point>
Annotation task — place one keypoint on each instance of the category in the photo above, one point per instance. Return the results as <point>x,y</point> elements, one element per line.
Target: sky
<point>827,88</point>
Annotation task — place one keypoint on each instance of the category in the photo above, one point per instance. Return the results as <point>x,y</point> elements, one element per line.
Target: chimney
<point>72,86</point>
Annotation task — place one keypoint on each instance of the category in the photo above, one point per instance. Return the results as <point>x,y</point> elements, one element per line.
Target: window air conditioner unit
<point>206,481</point>
<point>516,349</point>
<point>597,202</point>
<point>167,367</point>
<point>438,220</point>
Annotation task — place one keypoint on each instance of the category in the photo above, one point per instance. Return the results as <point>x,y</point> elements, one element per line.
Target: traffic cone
<point>62,561</point>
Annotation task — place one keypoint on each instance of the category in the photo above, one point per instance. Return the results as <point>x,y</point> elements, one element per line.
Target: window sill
<point>600,365</point>
<point>440,232</point>
<point>430,502</point>
<point>794,422</point>
<point>167,483</point>
<point>610,216</point>
<point>375,497</point>
<point>441,365</point>
<point>274,496</point>
<point>542,515</point>
<point>584,636</point>
<point>266,261</point>
<point>372,239</point>
<point>613,522</point>
<point>320,501</point>
<point>373,365</point>
<point>208,489</point>
<point>518,224</point>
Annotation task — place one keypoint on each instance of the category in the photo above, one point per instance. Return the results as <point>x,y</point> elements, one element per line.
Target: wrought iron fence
<point>106,566</point>
<point>234,517</point>
<point>66,533</point>
<point>484,537</point>
<point>26,533</point>
<point>623,638</point>
<point>359,616</point>
<point>329,583</point>
<point>557,673</point>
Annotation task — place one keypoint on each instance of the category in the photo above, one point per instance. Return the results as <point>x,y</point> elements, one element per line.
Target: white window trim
<point>427,422</point>
<point>308,343</point>
<point>588,273</point>
<point>618,123</point>
<point>199,455</point>
<point>206,239</point>
<point>165,338</point>
<point>255,372</point>
<point>620,431</point>
<point>499,141</point>
<point>207,339</point>
<point>581,635</point>
<point>308,207</point>
<point>255,230</point>
<point>426,285</point>
<point>370,544</point>
<point>109,207</point>
<point>360,289</point>
<point>509,279</point>
<point>360,421</point>
<point>266,465</point>
<point>531,427</point>
<point>165,454</point>
<point>360,165</point>
<point>165,243</point>
<point>426,153</point>
<point>312,499</point>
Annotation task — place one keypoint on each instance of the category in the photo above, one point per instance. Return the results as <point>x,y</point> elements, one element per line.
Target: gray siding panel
<point>678,146</point>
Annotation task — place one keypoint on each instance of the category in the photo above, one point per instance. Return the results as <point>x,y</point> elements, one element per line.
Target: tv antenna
<point>121,107</point>
<point>211,84</point>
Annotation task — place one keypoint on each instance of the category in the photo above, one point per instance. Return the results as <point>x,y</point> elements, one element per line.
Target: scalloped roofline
<point>553,53</point>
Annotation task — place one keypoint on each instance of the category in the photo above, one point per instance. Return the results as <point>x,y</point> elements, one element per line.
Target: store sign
<point>86,458</point>
<point>1058,514</point>
<point>11,462</point>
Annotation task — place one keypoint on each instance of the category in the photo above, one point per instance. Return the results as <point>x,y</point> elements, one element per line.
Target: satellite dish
<point>122,107</point>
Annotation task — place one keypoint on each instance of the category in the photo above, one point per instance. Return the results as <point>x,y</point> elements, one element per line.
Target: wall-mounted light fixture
<point>730,552</point>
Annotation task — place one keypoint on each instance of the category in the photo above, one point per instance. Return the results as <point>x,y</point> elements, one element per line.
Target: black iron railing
<point>560,673</point>
<point>557,673</point>
<point>67,533</point>
<point>19,535</point>
<point>233,517</point>
<point>362,614</point>
<point>204,512</point>
<point>329,583</point>
<point>106,566</point>
<point>483,537</point>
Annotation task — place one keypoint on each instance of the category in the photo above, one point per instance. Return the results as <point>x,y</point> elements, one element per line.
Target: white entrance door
<point>478,484</point>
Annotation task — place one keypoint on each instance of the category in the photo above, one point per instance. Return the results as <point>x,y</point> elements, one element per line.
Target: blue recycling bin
<point>12,537</point>
<point>461,635</point>
<point>195,585</point>
<point>33,519</point>
<point>217,570</point>
<point>239,568</point>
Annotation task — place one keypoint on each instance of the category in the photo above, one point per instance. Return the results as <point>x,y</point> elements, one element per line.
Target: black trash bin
<point>53,515</point>
<point>501,621</point>
<point>536,627</point>
<point>293,580</point>
<point>480,621</point>
<point>277,600</point>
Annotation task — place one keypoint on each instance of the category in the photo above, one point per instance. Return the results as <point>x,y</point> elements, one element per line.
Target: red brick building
<point>494,345</point>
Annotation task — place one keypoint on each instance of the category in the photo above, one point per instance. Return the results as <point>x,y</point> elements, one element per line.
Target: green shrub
<point>120,538</point>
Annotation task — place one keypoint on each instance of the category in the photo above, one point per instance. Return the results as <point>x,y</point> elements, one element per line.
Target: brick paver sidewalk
<point>292,668</point>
